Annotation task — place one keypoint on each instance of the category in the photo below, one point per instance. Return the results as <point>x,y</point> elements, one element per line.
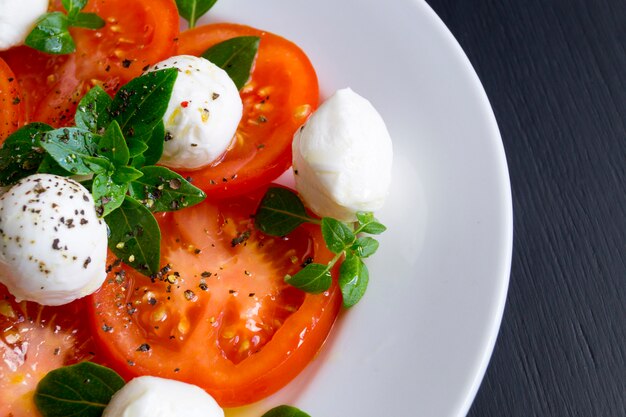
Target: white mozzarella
<point>342,158</point>
<point>202,115</point>
<point>149,396</point>
<point>53,246</point>
<point>17,19</point>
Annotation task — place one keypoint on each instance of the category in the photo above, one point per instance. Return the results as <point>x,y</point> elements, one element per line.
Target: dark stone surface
<point>555,73</point>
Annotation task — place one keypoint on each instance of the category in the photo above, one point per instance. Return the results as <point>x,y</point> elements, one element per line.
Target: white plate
<point>419,342</point>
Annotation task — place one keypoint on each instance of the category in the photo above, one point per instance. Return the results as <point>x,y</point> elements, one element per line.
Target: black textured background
<point>555,73</point>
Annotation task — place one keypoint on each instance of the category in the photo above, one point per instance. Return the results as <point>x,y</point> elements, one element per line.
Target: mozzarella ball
<point>342,158</point>
<point>149,396</point>
<point>202,115</point>
<point>53,246</point>
<point>17,19</point>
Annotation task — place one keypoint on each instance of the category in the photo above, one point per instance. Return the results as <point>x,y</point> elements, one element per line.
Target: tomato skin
<point>12,114</point>
<point>279,97</point>
<point>246,294</point>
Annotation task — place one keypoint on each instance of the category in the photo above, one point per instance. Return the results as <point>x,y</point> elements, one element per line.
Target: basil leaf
<point>192,10</point>
<point>92,112</point>
<point>285,411</point>
<point>336,234</point>
<point>365,246</point>
<point>153,154</point>
<point>51,35</point>
<point>22,154</point>
<point>113,146</point>
<point>50,166</point>
<point>368,224</point>
<point>74,6</point>
<point>137,148</point>
<point>235,56</point>
<point>82,390</point>
<point>353,279</point>
<point>73,149</point>
<point>135,236</point>
<point>313,278</point>
<point>280,212</point>
<point>126,174</point>
<point>139,106</point>
<point>107,194</point>
<point>161,189</point>
<point>87,21</point>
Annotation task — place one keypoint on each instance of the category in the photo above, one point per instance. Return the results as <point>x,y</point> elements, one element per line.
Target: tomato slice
<point>11,106</point>
<point>280,95</point>
<point>220,316</point>
<point>137,33</point>
<point>33,341</point>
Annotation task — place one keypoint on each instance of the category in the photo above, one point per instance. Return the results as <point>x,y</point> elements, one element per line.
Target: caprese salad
<point>142,239</point>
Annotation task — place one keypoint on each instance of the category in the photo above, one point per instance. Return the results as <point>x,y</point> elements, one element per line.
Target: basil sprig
<point>83,389</point>
<point>192,10</point>
<point>51,33</point>
<point>112,144</point>
<point>281,211</point>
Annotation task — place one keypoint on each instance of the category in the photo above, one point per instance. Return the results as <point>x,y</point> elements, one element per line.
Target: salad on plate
<point>149,262</point>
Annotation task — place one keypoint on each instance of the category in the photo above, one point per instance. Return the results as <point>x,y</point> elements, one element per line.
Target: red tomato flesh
<point>221,316</point>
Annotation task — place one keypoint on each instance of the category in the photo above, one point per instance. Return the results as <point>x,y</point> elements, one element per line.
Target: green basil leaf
<point>285,411</point>
<point>313,278</point>
<point>365,246</point>
<point>22,154</point>
<point>280,212</point>
<point>126,174</point>
<point>87,21</point>
<point>235,56</point>
<point>337,235</point>
<point>107,195</point>
<point>82,390</point>
<point>135,236</point>
<point>368,224</point>
<point>73,149</point>
<point>192,10</point>
<point>137,148</point>
<point>50,166</point>
<point>139,106</point>
<point>92,112</point>
<point>74,6</point>
<point>51,35</point>
<point>353,279</point>
<point>161,189</point>
<point>153,154</point>
<point>113,146</point>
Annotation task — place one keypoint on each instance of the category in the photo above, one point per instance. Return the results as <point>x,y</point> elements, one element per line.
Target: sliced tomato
<point>11,106</point>
<point>220,315</point>
<point>137,33</point>
<point>33,341</point>
<point>280,95</point>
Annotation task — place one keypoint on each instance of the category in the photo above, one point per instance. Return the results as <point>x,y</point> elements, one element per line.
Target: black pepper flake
<point>190,295</point>
<point>241,238</point>
<point>85,198</point>
<point>206,274</point>
<point>174,183</point>
<point>57,351</point>
<point>83,221</point>
<point>152,301</point>
<point>130,363</point>
<point>176,370</point>
<point>203,286</point>
<point>307,261</point>
<point>108,68</point>
<point>87,262</point>
<point>145,68</point>
<point>197,251</point>
<point>232,291</point>
<point>260,146</point>
<point>168,137</point>
<point>215,96</point>
<point>143,348</point>
<point>16,101</point>
<point>106,329</point>
<point>126,63</point>
<point>55,244</point>
<point>251,294</point>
